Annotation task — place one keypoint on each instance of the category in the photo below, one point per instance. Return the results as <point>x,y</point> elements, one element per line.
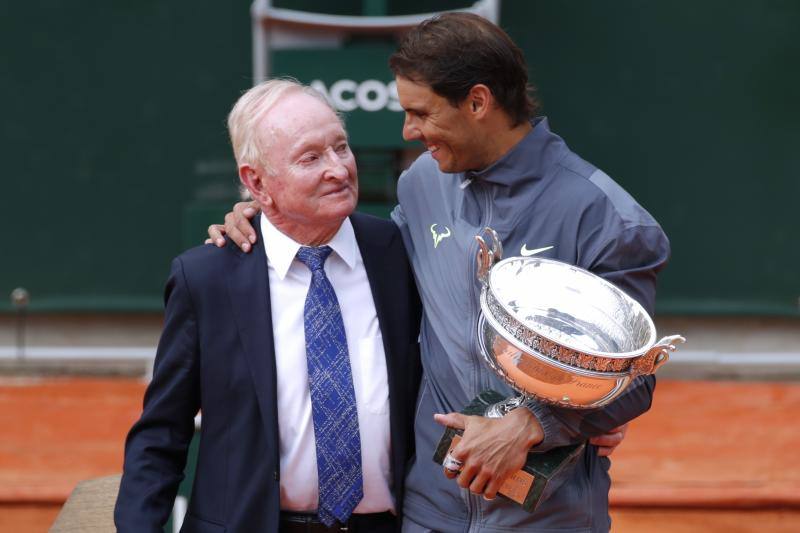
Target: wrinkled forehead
<point>299,110</point>
<point>298,117</point>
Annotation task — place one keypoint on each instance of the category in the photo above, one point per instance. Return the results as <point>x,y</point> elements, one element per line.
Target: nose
<point>335,167</point>
<point>410,129</point>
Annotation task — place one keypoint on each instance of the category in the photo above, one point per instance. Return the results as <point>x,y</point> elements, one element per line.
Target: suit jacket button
<point>275,474</point>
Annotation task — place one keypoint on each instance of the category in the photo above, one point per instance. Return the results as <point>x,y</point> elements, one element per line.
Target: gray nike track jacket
<point>539,196</point>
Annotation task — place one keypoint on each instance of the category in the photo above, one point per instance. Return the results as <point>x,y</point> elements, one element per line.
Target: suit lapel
<point>397,307</point>
<point>248,286</point>
<point>377,263</point>
<point>375,244</point>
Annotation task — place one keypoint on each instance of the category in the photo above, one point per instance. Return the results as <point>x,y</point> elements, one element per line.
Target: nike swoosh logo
<point>527,253</point>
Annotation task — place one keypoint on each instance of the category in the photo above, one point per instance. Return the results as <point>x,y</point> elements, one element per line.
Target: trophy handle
<point>488,254</point>
<point>656,356</point>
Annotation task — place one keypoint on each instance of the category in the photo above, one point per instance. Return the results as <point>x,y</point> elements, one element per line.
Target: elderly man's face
<point>313,179</point>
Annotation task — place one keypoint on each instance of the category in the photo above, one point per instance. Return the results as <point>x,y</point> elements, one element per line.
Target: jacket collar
<point>282,249</point>
<point>528,159</point>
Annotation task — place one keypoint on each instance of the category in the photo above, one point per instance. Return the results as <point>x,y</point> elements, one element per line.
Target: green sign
<point>357,81</point>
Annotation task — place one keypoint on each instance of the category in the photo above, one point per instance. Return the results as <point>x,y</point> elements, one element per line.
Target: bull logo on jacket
<point>438,236</point>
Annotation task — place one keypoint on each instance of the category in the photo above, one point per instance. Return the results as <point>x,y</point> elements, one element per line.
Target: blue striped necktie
<point>333,400</point>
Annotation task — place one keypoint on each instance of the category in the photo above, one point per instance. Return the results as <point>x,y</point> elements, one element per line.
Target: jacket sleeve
<point>631,259</point>
<point>156,447</point>
<point>398,216</point>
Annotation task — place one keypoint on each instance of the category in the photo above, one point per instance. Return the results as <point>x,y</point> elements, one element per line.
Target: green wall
<point>115,154</point>
<point>113,123</point>
<point>694,108</point>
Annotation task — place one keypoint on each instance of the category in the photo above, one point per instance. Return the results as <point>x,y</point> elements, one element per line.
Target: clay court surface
<point>708,457</point>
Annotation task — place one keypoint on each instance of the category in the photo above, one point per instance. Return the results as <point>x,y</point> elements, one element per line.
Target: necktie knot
<point>314,256</point>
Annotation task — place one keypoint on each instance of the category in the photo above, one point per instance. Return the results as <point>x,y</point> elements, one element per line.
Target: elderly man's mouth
<point>339,191</point>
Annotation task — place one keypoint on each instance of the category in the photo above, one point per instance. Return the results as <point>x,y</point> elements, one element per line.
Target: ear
<point>480,100</point>
<point>254,181</point>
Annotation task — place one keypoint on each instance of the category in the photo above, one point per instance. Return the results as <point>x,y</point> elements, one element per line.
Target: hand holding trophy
<point>556,334</point>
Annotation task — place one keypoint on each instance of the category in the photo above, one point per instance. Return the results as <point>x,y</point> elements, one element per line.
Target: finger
<point>216,234</point>
<point>605,451</point>
<point>453,420</point>
<point>246,228</point>
<point>619,430</point>
<point>236,231</point>
<point>466,476</point>
<point>243,212</point>
<point>246,209</point>
<point>490,490</point>
<point>478,484</point>
<point>235,234</point>
<point>241,241</point>
<point>609,439</point>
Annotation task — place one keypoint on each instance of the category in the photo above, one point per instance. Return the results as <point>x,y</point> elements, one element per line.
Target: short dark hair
<point>453,52</point>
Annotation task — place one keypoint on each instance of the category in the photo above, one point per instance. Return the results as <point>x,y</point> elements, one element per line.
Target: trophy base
<point>543,472</point>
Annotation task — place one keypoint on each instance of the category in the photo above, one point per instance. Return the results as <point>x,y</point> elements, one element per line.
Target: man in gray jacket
<point>464,88</point>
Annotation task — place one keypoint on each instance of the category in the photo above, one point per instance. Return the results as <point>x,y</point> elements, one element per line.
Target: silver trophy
<point>558,334</point>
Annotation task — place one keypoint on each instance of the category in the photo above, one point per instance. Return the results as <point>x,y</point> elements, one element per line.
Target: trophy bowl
<point>559,333</point>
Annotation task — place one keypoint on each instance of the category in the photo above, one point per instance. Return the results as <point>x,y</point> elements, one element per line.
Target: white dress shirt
<point>289,280</point>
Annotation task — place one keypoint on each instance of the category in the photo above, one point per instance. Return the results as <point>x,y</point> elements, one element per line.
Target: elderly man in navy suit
<point>302,356</point>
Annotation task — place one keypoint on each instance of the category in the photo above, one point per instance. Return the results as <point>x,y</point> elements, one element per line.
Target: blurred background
<point>116,158</point>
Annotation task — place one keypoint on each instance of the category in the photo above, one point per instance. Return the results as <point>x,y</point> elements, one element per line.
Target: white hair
<point>248,111</point>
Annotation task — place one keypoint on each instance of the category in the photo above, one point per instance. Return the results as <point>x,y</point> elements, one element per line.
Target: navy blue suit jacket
<point>216,354</point>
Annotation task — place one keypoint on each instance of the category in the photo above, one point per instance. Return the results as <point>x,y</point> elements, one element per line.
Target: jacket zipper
<point>473,503</point>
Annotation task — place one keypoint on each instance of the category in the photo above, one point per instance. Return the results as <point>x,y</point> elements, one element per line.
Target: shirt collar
<point>282,249</point>
<point>529,158</point>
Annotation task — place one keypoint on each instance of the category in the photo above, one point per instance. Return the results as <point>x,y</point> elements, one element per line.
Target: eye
<point>342,148</point>
<point>308,158</point>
